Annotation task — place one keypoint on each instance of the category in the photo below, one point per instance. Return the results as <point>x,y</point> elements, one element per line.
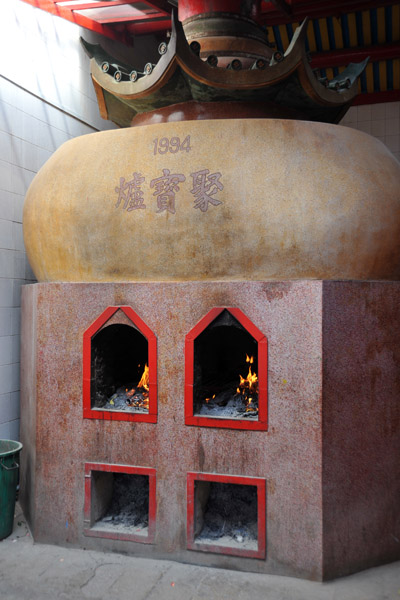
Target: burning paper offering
<point>135,399</point>
<point>235,404</point>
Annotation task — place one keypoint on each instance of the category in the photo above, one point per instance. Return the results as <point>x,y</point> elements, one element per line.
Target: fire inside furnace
<point>135,398</point>
<point>120,372</point>
<point>225,377</point>
<point>244,402</point>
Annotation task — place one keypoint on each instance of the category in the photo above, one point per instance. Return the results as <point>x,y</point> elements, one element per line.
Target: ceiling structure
<point>339,32</point>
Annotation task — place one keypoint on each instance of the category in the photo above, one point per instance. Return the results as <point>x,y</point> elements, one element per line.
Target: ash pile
<point>129,506</point>
<point>226,514</point>
<point>226,402</point>
<point>131,398</point>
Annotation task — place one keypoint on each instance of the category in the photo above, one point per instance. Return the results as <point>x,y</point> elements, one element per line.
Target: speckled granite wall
<point>320,419</point>
<point>361,425</point>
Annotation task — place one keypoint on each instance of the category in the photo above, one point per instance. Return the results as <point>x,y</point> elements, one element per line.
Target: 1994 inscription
<point>204,188</point>
<point>172,145</point>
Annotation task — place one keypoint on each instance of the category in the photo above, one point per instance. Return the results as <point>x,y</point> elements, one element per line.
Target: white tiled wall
<point>46,98</point>
<point>42,54</point>
<point>379,120</point>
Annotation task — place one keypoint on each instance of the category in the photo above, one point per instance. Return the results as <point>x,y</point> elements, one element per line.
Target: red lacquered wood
<point>53,7</point>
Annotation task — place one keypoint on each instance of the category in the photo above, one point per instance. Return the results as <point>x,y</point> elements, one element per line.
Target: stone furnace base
<point>324,465</point>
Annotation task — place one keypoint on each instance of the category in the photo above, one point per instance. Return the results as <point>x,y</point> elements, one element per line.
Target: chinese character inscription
<point>165,189</point>
<point>205,186</point>
<point>130,193</point>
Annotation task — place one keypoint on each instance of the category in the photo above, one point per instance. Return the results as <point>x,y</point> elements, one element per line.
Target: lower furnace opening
<point>119,503</point>
<point>226,515</point>
<point>225,370</point>
<point>119,370</point>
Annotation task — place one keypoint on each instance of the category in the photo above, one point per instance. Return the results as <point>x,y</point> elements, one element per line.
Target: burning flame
<point>139,396</point>
<point>144,380</point>
<point>247,390</point>
<point>248,385</point>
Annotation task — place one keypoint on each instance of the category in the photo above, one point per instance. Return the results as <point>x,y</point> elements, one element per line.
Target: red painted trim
<point>262,517</point>
<point>316,10</point>
<point>140,324</point>
<point>189,404</point>
<point>148,27</point>
<point>262,345</point>
<point>108,415</point>
<point>259,483</point>
<point>377,97</point>
<point>103,318</point>
<point>189,360</point>
<point>191,478</point>
<point>113,535</point>
<point>263,382</point>
<point>138,18</point>
<point>66,13</point>
<point>224,423</point>
<point>204,322</point>
<point>247,324</point>
<point>88,492</point>
<point>87,5</point>
<point>340,58</point>
<point>111,415</point>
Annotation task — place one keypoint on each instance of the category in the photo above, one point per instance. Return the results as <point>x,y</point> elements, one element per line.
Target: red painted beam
<point>316,10</point>
<point>88,5</point>
<point>82,21</point>
<point>148,27</point>
<point>340,58</point>
<point>48,5</point>
<point>377,97</point>
<point>141,18</point>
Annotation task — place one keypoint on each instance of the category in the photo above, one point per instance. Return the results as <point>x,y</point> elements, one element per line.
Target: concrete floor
<point>31,571</point>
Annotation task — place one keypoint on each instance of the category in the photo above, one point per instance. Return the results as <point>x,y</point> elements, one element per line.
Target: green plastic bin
<point>9,465</point>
